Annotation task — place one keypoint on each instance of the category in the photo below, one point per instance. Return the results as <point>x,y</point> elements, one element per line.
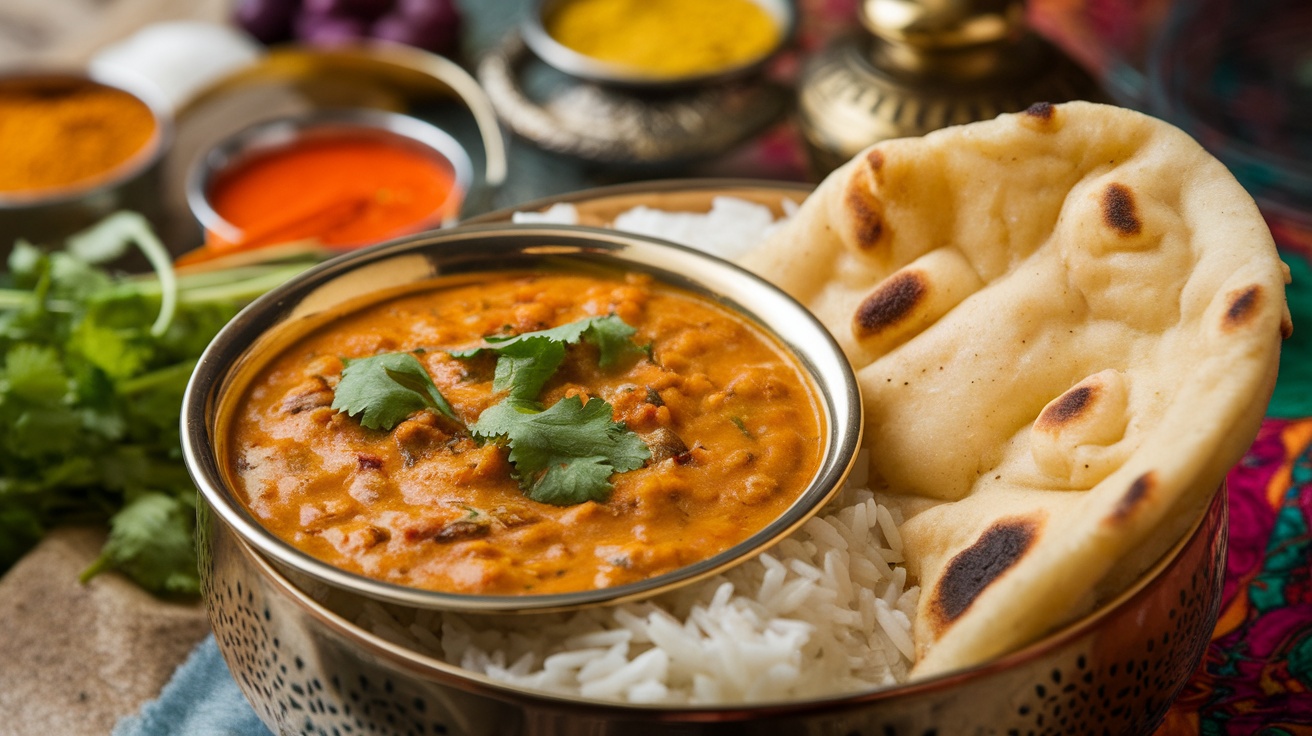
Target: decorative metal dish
<point>308,668</point>
<point>301,305</point>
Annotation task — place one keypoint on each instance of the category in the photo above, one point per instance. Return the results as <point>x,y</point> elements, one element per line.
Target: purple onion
<point>329,30</point>
<point>427,24</point>
<point>269,21</point>
<point>367,10</point>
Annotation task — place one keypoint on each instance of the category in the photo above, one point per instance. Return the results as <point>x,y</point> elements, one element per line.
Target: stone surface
<point>75,658</point>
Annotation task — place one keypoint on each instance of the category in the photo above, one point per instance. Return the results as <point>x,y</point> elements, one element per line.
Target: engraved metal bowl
<point>312,299</point>
<point>309,670</point>
<point>540,41</point>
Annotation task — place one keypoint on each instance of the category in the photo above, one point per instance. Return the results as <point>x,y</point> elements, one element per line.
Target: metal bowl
<point>308,301</point>
<point>49,215</point>
<point>307,668</point>
<point>268,136</point>
<point>540,42</point>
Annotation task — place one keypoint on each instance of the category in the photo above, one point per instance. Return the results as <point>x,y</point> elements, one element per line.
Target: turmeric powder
<point>666,38</point>
<point>57,132</point>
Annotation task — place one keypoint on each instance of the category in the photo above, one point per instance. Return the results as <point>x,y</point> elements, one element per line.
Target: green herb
<point>91,381</point>
<point>152,527</point>
<point>527,361</point>
<point>385,389</point>
<point>564,454</point>
<point>737,422</point>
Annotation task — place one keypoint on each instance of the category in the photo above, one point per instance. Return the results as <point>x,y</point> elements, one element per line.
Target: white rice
<point>729,230</point>
<point>827,611</point>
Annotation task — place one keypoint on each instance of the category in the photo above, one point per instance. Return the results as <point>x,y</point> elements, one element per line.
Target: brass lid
<point>921,65</point>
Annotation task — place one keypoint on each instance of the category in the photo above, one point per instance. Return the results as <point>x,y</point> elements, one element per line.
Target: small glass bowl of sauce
<point>339,179</point>
<point>658,43</point>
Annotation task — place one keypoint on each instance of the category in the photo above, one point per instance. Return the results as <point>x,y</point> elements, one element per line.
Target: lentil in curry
<point>731,422</point>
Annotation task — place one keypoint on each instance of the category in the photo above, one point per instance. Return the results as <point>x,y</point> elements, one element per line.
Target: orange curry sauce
<point>732,422</point>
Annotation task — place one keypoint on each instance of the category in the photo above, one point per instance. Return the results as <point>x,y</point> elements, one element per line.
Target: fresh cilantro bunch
<point>563,454</point>
<point>92,371</point>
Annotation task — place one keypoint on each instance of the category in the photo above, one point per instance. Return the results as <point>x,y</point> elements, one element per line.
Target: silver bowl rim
<point>563,58</point>
<point>430,666</point>
<point>268,135</point>
<point>480,248</point>
<point>150,154</point>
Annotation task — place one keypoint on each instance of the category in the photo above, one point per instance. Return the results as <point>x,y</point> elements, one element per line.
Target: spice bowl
<point>644,48</point>
<point>81,147</point>
<point>339,179</point>
<point>644,122</point>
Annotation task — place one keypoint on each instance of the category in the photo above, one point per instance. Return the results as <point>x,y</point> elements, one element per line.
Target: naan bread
<point>1066,325</point>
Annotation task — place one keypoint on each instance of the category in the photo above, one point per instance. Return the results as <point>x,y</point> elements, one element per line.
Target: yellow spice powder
<point>666,38</point>
<point>58,134</point>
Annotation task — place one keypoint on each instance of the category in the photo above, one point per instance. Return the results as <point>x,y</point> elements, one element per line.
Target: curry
<point>714,431</point>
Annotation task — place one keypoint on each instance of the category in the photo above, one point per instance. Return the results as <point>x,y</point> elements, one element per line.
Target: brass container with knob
<point>919,65</point>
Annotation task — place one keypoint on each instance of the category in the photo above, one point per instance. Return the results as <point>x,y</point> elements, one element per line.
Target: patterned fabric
<point>1257,674</point>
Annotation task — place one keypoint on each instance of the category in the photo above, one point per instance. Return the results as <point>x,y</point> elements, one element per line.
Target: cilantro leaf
<point>564,454</point>
<point>527,361</point>
<point>525,366</point>
<point>385,389</point>
<point>150,539</point>
<point>613,338</point>
<point>35,373</point>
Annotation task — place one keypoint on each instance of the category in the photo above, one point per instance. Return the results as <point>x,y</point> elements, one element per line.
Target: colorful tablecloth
<point>1256,677</point>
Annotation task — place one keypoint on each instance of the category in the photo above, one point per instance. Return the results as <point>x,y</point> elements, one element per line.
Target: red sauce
<point>342,191</point>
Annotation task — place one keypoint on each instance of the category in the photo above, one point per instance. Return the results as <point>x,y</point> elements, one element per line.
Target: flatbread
<point>1066,325</point>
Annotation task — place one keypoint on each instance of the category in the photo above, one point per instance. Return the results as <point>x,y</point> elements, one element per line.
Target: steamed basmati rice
<point>827,611</point>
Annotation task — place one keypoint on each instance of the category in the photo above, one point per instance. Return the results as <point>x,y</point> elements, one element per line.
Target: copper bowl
<point>308,669</point>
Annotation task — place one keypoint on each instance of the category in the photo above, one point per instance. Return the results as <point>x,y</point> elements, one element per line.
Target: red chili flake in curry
<point>731,421</point>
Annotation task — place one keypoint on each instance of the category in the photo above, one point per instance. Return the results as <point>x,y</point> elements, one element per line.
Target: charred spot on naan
<point>1067,407</point>
<point>973,569</point>
<point>1244,307</point>
<point>913,298</point>
<point>1119,211</point>
<point>1074,437</point>
<point>865,211</point>
<point>1041,110</point>
<point>875,160</point>
<point>1136,496</point>
<point>1041,117</point>
<point>894,300</point>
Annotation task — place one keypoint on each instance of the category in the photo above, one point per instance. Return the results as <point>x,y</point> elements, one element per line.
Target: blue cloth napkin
<point>202,699</point>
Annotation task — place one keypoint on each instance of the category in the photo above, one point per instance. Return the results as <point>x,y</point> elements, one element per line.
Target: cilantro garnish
<point>564,454</point>
<point>527,361</point>
<point>385,389</point>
